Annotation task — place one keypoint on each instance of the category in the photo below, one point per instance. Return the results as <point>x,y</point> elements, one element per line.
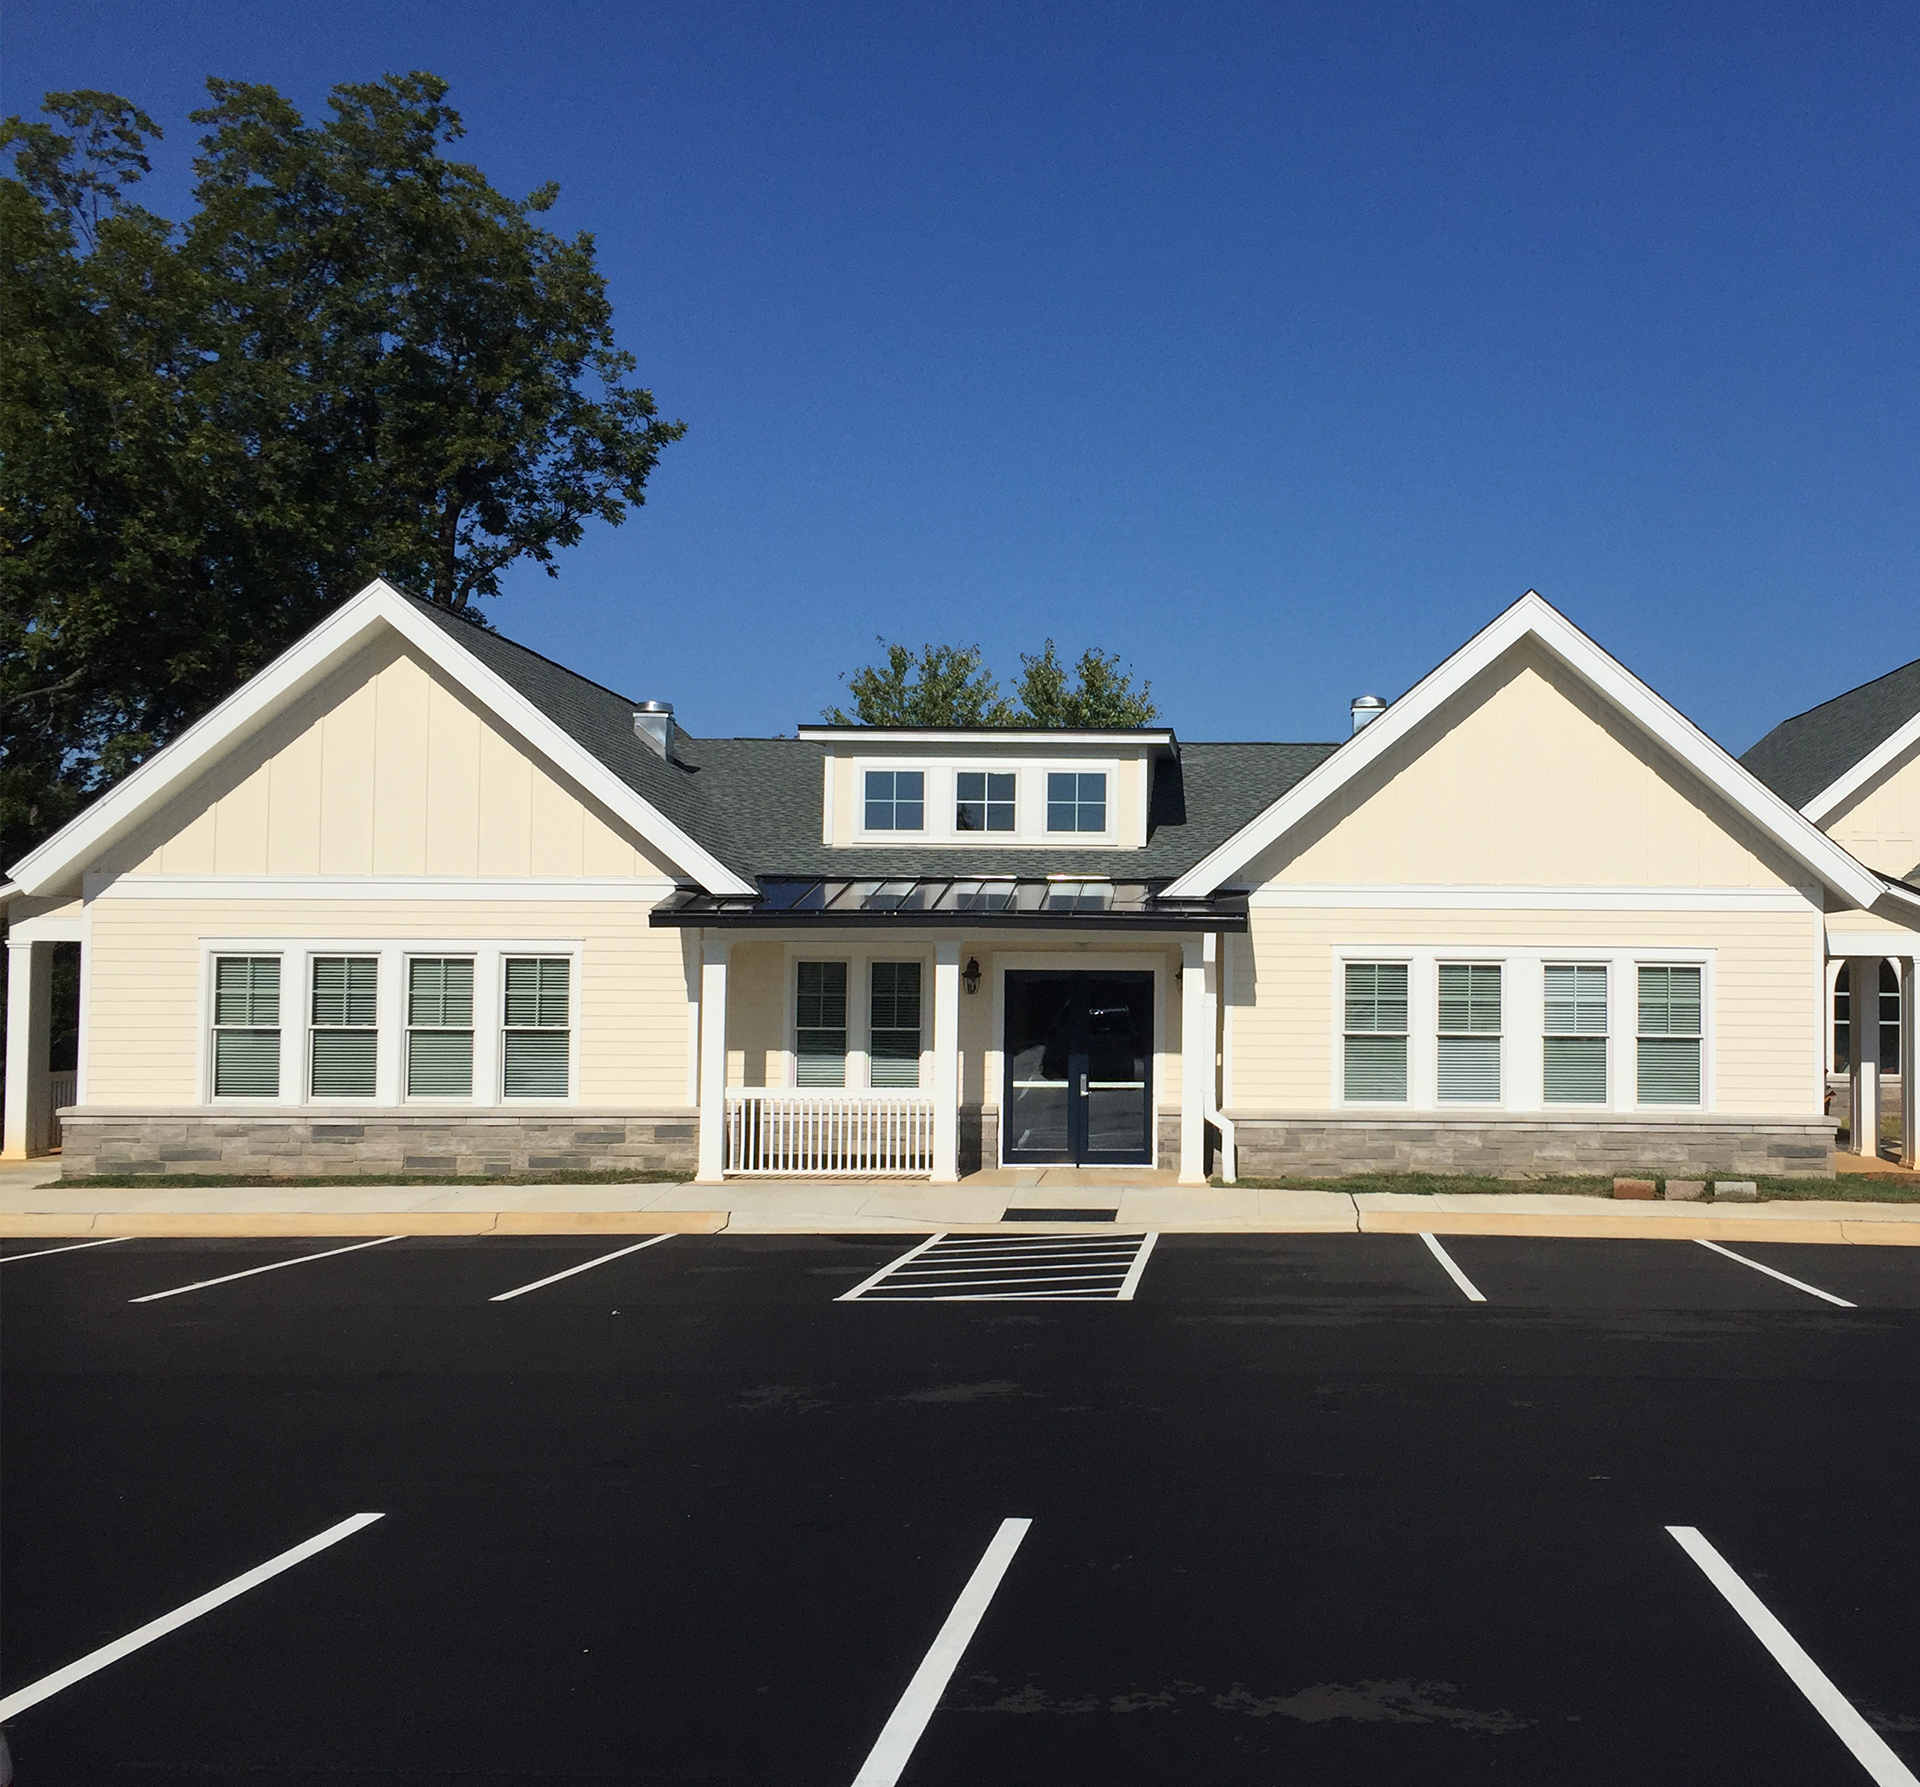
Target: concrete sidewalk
<point>33,1203</point>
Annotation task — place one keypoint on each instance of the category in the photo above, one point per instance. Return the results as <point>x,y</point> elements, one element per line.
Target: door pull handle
<point>1083,1085</point>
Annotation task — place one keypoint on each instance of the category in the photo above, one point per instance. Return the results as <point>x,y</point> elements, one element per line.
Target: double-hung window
<point>896,800</point>
<point>1076,800</point>
<point>536,1037</point>
<point>1669,1035</point>
<point>345,1018</point>
<point>982,801</point>
<point>820,1024</point>
<point>894,1033</point>
<point>440,1027</point>
<point>1376,1033</point>
<point>1469,1058</point>
<point>1574,1057</point>
<point>246,1027</point>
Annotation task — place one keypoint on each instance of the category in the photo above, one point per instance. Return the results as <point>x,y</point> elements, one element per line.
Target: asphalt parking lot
<point>1301,1510</point>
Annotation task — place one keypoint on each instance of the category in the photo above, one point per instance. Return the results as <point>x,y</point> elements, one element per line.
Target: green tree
<point>355,358</point>
<point>1102,696</point>
<point>944,685</point>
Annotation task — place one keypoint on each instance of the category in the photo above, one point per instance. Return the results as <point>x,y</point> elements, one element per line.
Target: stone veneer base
<point>1325,1147</point>
<point>304,1145</point>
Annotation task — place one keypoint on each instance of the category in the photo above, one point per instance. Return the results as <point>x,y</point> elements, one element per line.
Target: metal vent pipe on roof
<point>1365,708</point>
<point>653,723</point>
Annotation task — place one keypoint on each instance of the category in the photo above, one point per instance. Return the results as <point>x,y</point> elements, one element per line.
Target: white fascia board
<point>291,675</point>
<point>1889,751</point>
<point>1893,890</point>
<point>977,735</point>
<point>1536,618</point>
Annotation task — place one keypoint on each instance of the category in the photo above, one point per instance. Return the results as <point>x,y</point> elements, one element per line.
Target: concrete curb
<point>206,1225</point>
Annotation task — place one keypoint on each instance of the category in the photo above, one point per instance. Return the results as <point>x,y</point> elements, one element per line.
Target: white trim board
<point>1531,899</point>
<point>650,889</point>
<point>1533,618</point>
<point>301,668</point>
<point>1883,756</point>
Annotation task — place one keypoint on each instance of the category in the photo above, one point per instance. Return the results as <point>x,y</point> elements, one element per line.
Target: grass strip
<point>1869,1188</point>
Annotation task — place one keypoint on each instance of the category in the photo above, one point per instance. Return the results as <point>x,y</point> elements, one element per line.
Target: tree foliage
<point>944,685</point>
<point>950,685</point>
<point>355,358</point>
<point>1101,694</point>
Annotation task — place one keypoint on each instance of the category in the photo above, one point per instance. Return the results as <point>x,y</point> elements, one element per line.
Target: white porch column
<point>946,1063</point>
<point>1863,1035</point>
<point>29,1032</point>
<point>1909,1079</point>
<point>713,1063</point>
<point>1196,1062</point>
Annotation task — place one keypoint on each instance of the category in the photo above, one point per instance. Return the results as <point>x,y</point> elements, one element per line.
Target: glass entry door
<point>1079,1065</point>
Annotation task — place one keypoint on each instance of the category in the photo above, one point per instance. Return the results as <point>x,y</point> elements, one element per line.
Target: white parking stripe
<point>891,1752</point>
<point>298,1260</point>
<point>619,1253</point>
<point>73,1247</point>
<point>1812,1290</point>
<point>1466,1284</point>
<point>1138,1267</point>
<point>1868,1746</point>
<point>48,1685</point>
<point>867,1284</point>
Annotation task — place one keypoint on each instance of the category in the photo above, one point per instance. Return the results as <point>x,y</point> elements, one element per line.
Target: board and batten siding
<point>1881,824</point>
<point>385,769</point>
<point>1527,778</point>
<point>1764,1014</point>
<point>146,1009</point>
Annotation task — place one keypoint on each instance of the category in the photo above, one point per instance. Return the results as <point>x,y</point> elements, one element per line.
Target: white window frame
<point>312,1028</point>
<point>1523,1026</point>
<point>481,1052</point>
<point>292,1071</point>
<point>296,1067</point>
<point>859,962</point>
<point>501,1027</point>
<point>1029,802</point>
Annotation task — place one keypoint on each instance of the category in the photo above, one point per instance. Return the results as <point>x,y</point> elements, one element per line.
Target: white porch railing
<point>61,1090</point>
<point>772,1129</point>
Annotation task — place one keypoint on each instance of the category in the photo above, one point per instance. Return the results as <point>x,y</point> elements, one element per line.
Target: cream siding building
<point>418,899</point>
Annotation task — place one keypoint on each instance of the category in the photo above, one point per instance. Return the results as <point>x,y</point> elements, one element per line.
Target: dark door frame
<point>1077,1099</point>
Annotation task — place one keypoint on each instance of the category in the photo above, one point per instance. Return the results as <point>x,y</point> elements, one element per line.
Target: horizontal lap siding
<point>1766,979</point>
<point>144,980</point>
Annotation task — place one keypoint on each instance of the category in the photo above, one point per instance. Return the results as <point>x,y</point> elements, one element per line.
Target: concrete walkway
<point>32,1203</point>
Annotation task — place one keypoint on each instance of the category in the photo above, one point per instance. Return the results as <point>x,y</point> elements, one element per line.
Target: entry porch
<point>889,1030</point>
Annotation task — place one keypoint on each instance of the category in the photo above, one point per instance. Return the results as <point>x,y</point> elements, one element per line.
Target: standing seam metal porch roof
<point>755,803</point>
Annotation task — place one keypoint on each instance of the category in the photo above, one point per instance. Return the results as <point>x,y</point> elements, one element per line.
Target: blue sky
<point>1276,347</point>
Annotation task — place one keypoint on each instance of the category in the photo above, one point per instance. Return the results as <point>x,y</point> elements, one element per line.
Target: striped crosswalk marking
<point>1011,1268</point>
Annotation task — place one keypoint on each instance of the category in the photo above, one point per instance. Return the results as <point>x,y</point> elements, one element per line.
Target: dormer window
<point>982,801</point>
<point>1076,801</point>
<point>896,800</point>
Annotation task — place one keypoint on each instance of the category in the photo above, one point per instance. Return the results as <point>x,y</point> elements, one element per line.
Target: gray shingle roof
<point>755,802</point>
<point>1813,750</point>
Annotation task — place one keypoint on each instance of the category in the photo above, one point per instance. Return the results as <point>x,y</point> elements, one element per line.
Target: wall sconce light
<point>971,974</point>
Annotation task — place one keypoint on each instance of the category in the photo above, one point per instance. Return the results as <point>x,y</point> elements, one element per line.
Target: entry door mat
<point>1012,1269</point>
<point>1018,1215</point>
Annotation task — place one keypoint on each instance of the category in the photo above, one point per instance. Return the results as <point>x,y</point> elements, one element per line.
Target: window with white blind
<point>893,1038</point>
<point>1669,1033</point>
<point>820,1024</point>
<point>536,1037</point>
<point>1574,1049</point>
<point>345,1039</point>
<point>1469,1033</point>
<point>246,1027</point>
<point>440,1027</point>
<point>1376,1033</point>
